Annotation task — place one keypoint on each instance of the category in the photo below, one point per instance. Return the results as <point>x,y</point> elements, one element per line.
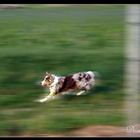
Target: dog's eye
<point>46,78</point>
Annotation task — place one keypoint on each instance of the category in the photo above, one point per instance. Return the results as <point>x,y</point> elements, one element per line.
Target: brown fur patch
<point>69,83</point>
<point>84,75</point>
<point>79,78</point>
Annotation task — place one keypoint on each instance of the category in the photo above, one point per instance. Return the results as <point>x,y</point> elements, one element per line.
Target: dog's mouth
<point>44,85</point>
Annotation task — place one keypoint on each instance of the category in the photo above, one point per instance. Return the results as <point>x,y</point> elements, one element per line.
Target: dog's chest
<point>57,84</point>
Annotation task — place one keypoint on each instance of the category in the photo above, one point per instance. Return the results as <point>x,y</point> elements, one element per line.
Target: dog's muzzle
<point>43,84</point>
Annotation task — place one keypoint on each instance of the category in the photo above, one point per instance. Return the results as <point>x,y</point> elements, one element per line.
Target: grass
<point>62,40</point>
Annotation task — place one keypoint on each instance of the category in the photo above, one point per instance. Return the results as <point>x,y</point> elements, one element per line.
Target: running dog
<point>79,82</point>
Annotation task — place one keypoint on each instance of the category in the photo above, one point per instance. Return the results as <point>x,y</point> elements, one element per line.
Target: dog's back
<point>84,80</point>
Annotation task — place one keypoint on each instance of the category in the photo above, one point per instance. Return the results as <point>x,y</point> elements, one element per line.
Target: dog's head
<point>48,80</point>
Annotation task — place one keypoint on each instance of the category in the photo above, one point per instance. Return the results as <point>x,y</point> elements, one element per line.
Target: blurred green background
<point>62,40</point>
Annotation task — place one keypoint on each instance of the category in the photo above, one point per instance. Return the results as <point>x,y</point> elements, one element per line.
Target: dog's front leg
<point>45,99</point>
<point>50,96</point>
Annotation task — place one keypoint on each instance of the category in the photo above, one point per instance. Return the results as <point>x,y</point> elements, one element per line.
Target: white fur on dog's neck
<point>54,85</point>
<point>55,80</point>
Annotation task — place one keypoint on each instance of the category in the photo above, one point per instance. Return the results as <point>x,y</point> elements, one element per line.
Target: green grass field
<point>62,40</point>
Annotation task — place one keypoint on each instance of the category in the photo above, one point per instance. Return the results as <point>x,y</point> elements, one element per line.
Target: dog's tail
<point>97,77</point>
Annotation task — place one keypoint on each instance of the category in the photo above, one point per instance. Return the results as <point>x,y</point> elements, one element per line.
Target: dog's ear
<point>50,78</point>
<point>47,73</point>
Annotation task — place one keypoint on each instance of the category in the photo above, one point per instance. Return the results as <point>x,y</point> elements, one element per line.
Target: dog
<point>79,82</point>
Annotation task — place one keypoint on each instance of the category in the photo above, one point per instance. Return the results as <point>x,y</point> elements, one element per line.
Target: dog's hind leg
<point>81,92</point>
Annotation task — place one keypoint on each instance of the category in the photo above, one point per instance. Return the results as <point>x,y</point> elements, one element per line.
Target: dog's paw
<point>39,101</point>
<point>78,94</point>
